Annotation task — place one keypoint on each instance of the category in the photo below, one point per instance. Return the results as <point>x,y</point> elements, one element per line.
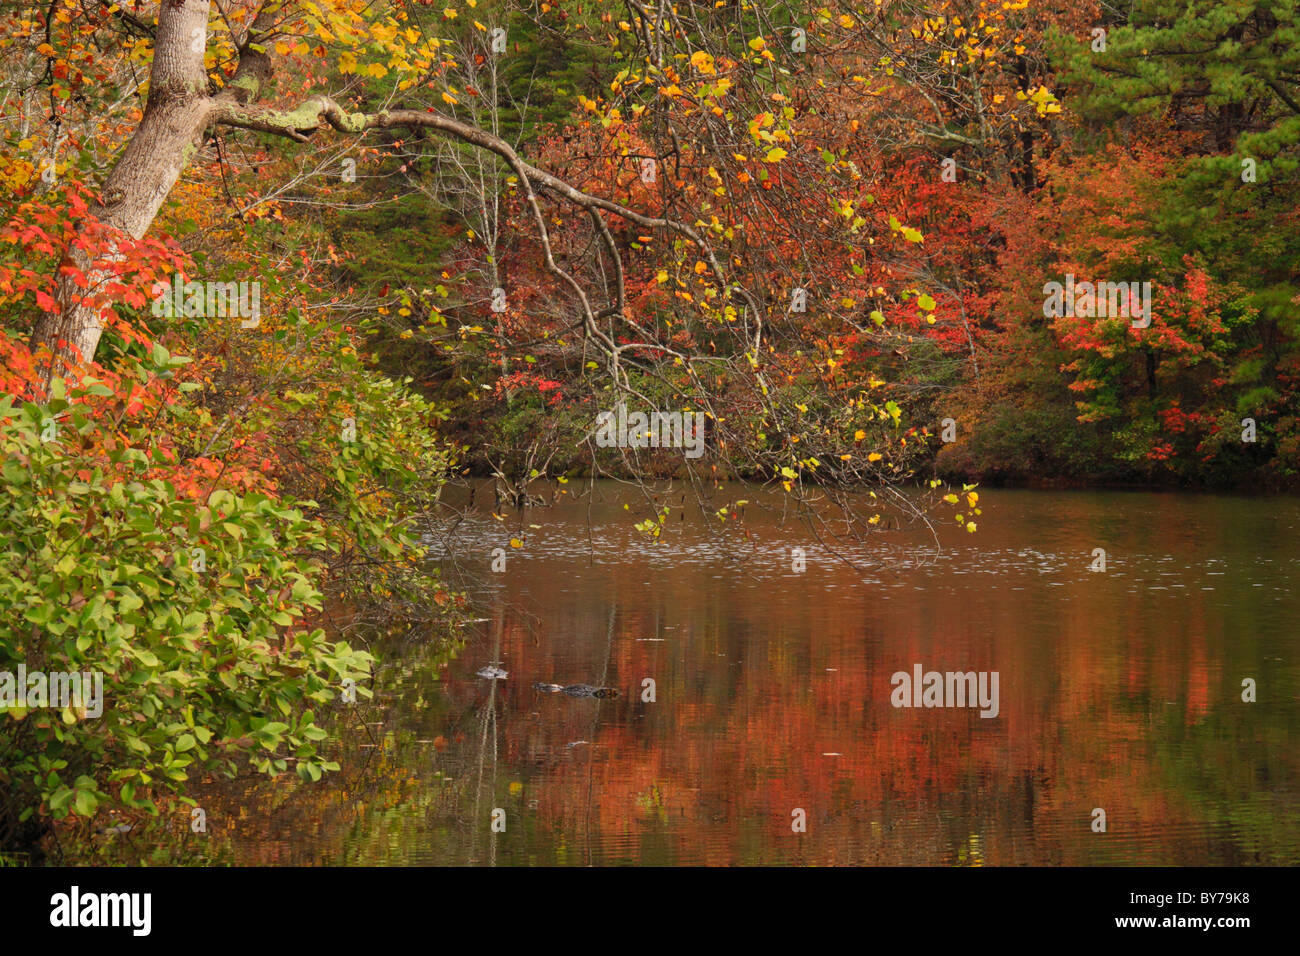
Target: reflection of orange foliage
<point>795,713</point>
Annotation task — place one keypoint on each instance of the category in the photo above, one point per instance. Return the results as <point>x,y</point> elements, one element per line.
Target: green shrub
<point>206,660</point>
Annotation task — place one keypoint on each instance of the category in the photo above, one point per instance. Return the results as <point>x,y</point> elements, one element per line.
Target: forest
<point>279,277</point>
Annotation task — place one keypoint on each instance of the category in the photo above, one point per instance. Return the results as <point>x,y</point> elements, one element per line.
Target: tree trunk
<point>177,113</point>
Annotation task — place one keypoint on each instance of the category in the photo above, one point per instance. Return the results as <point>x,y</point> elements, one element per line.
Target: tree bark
<point>176,114</point>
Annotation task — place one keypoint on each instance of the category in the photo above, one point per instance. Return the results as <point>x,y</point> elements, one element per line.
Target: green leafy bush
<point>192,608</point>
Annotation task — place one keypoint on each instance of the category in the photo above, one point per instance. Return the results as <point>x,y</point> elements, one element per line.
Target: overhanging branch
<point>309,117</point>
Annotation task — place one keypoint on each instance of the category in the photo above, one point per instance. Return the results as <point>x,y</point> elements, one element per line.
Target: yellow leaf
<point>775,155</point>
<point>516,543</point>
<point>859,435</point>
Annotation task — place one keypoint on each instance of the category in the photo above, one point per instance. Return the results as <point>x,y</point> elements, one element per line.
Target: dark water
<point>1119,691</point>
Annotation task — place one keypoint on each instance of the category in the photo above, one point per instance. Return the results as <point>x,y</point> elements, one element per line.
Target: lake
<point>768,734</point>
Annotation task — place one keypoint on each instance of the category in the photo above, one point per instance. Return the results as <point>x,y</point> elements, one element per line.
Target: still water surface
<point>1119,690</point>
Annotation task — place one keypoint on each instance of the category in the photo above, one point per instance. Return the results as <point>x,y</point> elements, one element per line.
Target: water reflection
<point>750,690</point>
